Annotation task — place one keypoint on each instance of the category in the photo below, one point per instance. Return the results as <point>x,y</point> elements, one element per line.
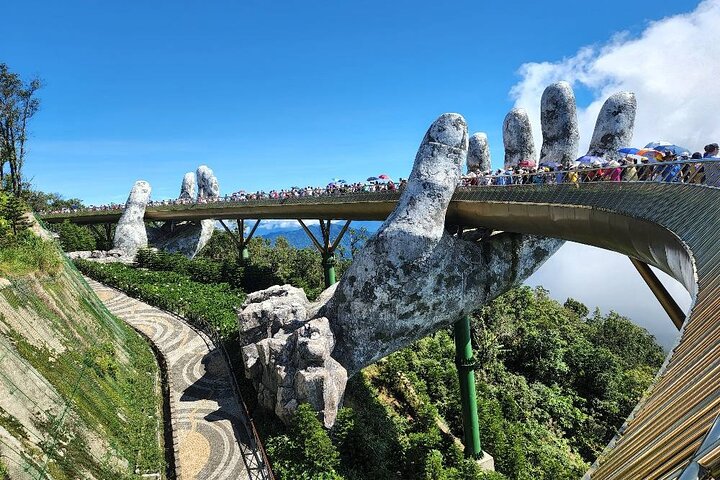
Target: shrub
<point>306,452</point>
<point>74,237</point>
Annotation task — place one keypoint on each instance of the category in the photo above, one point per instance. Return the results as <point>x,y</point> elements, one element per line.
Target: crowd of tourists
<point>660,165</point>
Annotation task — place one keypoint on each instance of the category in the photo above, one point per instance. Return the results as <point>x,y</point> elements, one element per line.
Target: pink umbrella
<point>384,177</point>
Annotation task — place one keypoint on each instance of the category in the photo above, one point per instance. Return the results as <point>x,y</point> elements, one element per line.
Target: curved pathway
<point>206,416</point>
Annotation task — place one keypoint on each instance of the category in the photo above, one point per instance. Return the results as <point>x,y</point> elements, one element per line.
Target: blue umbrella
<point>338,180</point>
<point>372,179</point>
<point>588,159</point>
<point>549,164</point>
<point>629,150</point>
<point>675,149</point>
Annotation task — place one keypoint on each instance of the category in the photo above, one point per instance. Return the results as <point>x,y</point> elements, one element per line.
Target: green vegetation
<point>104,375</point>
<point>18,104</point>
<point>74,238</point>
<point>21,251</point>
<point>554,382</point>
<point>213,303</point>
<point>275,263</point>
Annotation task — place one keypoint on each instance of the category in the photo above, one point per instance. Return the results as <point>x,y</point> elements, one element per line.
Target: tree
<point>15,212</point>
<point>306,452</point>
<point>40,201</point>
<point>74,238</point>
<point>17,106</point>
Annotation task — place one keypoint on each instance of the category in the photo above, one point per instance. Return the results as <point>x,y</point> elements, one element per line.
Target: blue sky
<point>273,94</point>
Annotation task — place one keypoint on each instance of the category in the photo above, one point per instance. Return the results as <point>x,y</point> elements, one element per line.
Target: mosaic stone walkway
<point>205,412</point>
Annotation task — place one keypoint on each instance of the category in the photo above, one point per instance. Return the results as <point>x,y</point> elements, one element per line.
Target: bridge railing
<point>700,171</point>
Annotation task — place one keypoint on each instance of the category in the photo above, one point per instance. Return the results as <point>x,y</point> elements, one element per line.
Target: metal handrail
<point>689,171</point>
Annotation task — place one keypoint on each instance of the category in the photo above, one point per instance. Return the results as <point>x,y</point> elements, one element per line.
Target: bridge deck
<point>673,226</point>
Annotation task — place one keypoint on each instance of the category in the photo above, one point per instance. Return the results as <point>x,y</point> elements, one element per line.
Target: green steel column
<point>328,262</point>
<point>466,371</point>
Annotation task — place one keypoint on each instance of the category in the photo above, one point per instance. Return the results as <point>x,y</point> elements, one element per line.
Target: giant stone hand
<point>409,280</point>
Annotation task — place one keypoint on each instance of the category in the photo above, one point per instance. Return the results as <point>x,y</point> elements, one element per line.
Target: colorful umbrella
<point>526,163</point>
<point>383,177</point>
<point>650,154</point>
<point>629,150</point>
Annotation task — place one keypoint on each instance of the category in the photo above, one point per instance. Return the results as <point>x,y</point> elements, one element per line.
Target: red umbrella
<point>526,164</point>
<point>384,177</point>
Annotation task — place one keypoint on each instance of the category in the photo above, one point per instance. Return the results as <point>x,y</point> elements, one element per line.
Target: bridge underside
<point>674,227</point>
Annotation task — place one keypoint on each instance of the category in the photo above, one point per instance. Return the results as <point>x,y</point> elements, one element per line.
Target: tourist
<point>711,150</point>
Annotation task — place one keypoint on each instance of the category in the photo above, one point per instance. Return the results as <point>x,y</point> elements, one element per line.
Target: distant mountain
<point>297,237</point>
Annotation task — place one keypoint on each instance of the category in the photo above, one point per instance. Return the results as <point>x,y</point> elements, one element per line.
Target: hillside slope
<point>80,395</point>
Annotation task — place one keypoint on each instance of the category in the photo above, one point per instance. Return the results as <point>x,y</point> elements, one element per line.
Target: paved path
<point>203,406</point>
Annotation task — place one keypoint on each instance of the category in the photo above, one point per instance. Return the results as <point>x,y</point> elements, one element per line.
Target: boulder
<point>287,357</point>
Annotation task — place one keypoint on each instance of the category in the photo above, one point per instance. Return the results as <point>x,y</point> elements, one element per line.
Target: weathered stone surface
<point>207,183</point>
<point>409,280</point>
<point>558,116</point>
<point>614,126</point>
<point>189,238</point>
<point>130,234</point>
<point>517,138</point>
<point>412,277</point>
<point>478,157</point>
<point>288,357</point>
<point>267,311</point>
<point>84,254</point>
<point>187,189</point>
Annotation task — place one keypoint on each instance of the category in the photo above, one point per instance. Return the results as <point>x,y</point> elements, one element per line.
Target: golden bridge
<point>674,431</point>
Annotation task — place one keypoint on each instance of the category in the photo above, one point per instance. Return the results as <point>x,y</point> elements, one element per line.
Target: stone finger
<point>432,182</point>
<point>558,117</point>
<point>478,158</point>
<point>130,233</point>
<point>517,138</point>
<point>614,126</point>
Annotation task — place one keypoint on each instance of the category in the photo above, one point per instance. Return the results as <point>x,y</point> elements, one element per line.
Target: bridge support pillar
<point>668,303</point>
<point>326,247</point>
<point>466,371</point>
<point>241,241</point>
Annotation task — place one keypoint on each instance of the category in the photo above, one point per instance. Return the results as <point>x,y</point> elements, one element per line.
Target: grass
<point>106,376</point>
<point>26,254</point>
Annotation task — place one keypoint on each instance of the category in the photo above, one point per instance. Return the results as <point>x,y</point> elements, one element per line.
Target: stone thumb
<point>434,177</point>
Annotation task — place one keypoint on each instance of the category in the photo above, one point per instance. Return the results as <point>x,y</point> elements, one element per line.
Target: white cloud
<point>671,66</point>
<point>274,225</point>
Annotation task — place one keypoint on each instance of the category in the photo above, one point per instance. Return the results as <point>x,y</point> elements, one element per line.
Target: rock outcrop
<point>288,356</point>
<point>130,234</point>
<point>478,157</point>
